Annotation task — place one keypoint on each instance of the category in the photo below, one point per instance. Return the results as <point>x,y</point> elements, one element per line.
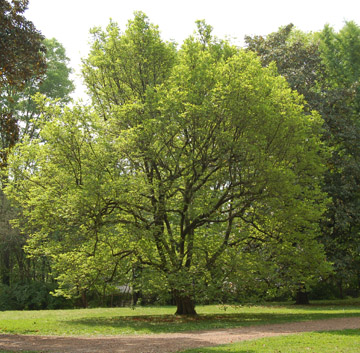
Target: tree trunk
<point>84,301</point>
<point>341,291</point>
<point>184,305</point>
<point>302,297</point>
<point>5,267</point>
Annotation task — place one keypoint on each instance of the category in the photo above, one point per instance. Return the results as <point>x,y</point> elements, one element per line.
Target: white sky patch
<point>69,21</point>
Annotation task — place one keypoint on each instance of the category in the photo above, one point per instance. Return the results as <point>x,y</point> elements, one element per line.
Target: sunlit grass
<point>117,321</point>
<point>346,341</point>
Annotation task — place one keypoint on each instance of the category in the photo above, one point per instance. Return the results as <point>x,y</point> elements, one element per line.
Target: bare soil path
<point>166,343</point>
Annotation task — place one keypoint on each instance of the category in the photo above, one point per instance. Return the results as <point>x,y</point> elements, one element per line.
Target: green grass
<point>117,321</point>
<point>346,341</point>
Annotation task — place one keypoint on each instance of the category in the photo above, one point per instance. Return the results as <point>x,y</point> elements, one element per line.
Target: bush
<point>7,300</point>
<point>30,296</point>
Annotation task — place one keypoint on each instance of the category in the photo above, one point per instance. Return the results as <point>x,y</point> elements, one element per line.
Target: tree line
<point>199,173</point>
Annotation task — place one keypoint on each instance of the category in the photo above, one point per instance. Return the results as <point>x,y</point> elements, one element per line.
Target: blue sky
<point>69,21</point>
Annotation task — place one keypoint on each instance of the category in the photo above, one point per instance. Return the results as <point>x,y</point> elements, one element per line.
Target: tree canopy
<point>197,168</point>
<point>341,230</point>
<point>54,83</point>
<point>19,119</point>
<point>22,57</point>
<point>21,48</point>
<point>324,67</point>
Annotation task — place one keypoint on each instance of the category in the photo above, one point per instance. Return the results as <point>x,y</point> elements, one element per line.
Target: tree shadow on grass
<point>172,323</point>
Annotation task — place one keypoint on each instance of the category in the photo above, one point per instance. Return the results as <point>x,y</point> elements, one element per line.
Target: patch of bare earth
<point>166,343</point>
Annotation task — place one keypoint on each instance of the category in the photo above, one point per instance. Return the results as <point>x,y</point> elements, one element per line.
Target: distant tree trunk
<point>302,297</point>
<point>84,301</point>
<point>340,287</point>
<point>5,270</point>
<point>184,305</point>
<point>136,295</point>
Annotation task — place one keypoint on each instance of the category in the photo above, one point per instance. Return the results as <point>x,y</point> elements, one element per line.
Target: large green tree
<point>198,168</point>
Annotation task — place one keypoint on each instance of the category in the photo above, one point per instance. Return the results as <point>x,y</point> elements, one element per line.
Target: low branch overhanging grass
<point>141,320</point>
<point>345,341</point>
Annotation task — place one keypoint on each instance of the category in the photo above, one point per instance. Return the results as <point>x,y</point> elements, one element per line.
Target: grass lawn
<point>115,321</point>
<point>346,341</point>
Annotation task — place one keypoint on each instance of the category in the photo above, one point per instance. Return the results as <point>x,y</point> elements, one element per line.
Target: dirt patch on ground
<point>166,343</point>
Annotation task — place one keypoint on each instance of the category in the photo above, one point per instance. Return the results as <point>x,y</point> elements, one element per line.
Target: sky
<point>69,21</point>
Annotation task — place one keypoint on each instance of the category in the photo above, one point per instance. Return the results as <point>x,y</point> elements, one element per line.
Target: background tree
<point>54,83</point>
<point>297,57</point>
<point>340,53</point>
<point>21,58</point>
<point>20,107</point>
<point>21,48</point>
<point>324,68</point>
<point>193,164</point>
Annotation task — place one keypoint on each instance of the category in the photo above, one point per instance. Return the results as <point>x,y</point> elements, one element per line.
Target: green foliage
<point>20,119</point>
<point>7,302</point>
<point>53,83</point>
<point>297,57</point>
<point>340,52</point>
<point>324,67</point>
<point>29,296</point>
<point>56,83</point>
<point>341,229</point>
<point>122,67</point>
<point>202,166</point>
<point>21,59</point>
<point>21,48</point>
